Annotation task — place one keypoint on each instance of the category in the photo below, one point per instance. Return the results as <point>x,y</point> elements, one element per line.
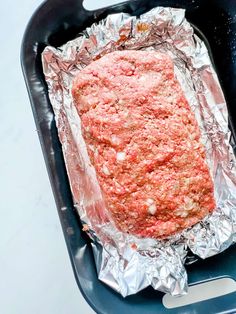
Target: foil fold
<point>124,262</point>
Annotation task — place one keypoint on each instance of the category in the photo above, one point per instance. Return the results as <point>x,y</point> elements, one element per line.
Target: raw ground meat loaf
<point>144,142</point>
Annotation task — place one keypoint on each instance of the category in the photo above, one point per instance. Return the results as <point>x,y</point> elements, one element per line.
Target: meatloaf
<point>144,142</point>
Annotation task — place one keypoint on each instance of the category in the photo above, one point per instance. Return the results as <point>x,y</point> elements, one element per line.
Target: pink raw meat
<point>144,142</point>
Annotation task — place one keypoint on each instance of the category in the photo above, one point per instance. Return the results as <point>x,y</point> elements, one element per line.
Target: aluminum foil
<point>124,262</point>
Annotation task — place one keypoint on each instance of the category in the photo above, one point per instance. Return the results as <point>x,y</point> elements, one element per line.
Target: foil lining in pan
<point>124,262</point>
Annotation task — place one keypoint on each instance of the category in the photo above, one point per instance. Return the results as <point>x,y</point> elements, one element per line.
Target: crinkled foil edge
<point>124,262</point>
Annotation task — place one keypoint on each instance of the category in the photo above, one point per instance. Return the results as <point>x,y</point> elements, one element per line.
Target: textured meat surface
<point>144,142</point>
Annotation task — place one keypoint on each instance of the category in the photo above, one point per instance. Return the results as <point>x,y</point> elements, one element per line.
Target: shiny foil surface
<point>127,263</point>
